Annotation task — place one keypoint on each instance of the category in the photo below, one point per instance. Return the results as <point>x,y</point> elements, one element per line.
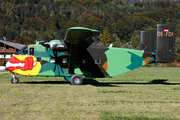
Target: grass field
<point>145,93</point>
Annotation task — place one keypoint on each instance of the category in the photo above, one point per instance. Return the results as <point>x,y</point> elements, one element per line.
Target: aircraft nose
<point>12,64</point>
<point>8,64</point>
<point>24,65</point>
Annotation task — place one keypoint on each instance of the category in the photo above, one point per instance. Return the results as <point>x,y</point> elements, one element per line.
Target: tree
<point>135,39</point>
<point>177,49</point>
<point>2,31</point>
<point>27,40</point>
<point>9,34</point>
<point>124,29</point>
<point>105,38</point>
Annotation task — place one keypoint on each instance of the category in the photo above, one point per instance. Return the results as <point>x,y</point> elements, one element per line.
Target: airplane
<point>75,58</point>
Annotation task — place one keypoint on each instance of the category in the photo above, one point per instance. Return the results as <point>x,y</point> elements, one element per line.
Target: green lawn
<point>145,93</point>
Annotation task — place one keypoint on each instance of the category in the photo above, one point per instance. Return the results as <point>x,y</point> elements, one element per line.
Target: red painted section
<point>31,45</point>
<point>166,30</point>
<point>147,59</point>
<point>15,60</point>
<point>28,64</point>
<point>105,66</point>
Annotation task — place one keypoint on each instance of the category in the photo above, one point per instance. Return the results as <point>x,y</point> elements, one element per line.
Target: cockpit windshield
<point>23,51</point>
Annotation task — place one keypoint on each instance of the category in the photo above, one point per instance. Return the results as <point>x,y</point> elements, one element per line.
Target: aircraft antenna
<point>144,48</point>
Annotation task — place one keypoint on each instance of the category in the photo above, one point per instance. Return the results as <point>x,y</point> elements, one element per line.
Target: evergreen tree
<point>2,31</point>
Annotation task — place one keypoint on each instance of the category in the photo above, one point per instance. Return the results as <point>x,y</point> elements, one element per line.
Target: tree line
<point>24,21</point>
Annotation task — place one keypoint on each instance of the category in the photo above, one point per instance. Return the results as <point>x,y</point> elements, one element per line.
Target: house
<point>8,49</point>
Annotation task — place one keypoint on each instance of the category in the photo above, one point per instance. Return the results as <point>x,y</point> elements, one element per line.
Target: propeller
<point>54,56</point>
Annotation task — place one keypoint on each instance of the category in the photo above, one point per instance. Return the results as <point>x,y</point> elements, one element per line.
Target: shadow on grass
<point>85,82</point>
<point>155,81</point>
<point>104,84</point>
<point>45,82</point>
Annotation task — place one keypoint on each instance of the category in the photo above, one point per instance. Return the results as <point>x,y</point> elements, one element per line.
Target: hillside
<point>25,21</point>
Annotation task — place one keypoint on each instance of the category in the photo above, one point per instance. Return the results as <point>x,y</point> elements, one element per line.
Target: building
<point>8,49</point>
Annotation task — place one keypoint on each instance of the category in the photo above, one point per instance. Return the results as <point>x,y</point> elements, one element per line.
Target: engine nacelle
<point>58,47</point>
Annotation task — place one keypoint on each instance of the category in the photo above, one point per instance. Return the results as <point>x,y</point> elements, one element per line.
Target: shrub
<point>2,62</point>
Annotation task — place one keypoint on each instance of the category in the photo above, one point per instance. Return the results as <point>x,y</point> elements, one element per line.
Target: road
<point>3,72</point>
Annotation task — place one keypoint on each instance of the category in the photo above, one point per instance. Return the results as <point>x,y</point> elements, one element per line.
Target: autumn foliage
<point>25,21</point>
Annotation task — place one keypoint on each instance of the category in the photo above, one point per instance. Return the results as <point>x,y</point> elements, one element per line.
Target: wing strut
<point>72,59</point>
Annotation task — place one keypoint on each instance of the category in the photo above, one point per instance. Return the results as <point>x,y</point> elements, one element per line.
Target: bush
<point>169,65</point>
<point>2,62</point>
<point>148,65</point>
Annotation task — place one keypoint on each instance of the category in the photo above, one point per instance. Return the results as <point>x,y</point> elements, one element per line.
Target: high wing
<point>78,37</point>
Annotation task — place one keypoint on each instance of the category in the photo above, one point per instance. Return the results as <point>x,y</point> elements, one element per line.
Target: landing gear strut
<point>14,79</point>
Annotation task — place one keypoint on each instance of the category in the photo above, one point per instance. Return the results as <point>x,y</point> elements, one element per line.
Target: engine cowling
<point>55,45</point>
<point>58,47</point>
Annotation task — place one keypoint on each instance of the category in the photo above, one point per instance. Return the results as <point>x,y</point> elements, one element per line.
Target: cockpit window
<point>23,51</point>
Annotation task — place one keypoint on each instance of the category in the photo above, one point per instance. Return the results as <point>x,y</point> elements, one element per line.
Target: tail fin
<point>162,42</point>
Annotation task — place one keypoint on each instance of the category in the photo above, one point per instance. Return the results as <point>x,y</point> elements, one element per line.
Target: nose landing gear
<point>14,79</point>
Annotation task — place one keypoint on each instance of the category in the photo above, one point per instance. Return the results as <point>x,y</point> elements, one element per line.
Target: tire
<point>14,81</point>
<point>76,80</point>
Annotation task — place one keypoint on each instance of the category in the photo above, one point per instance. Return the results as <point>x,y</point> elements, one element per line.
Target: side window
<point>25,52</point>
<point>31,52</point>
<point>64,60</point>
<point>85,61</point>
<point>97,61</point>
<point>22,51</point>
<point>38,59</point>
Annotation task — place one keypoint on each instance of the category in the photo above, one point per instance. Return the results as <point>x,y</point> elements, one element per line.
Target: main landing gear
<point>14,79</point>
<point>74,79</point>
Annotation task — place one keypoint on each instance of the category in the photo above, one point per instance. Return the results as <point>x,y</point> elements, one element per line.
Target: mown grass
<point>145,93</point>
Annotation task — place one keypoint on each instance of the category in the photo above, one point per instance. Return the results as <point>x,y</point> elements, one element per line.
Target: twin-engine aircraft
<point>75,58</point>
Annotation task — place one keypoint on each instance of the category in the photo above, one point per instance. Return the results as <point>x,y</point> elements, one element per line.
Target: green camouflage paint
<point>55,42</point>
<point>49,68</point>
<point>121,60</point>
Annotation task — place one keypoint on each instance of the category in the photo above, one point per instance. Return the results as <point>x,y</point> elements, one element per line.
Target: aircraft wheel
<point>76,80</point>
<point>14,80</point>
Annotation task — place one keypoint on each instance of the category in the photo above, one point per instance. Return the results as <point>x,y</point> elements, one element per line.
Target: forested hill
<point>25,21</point>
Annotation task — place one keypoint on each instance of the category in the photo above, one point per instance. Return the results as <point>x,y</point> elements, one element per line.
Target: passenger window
<point>85,61</point>
<point>38,59</point>
<point>64,60</point>
<point>97,61</point>
<point>25,52</point>
<point>31,51</point>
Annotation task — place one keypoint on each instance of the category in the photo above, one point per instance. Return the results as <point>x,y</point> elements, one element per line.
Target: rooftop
<point>12,44</point>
